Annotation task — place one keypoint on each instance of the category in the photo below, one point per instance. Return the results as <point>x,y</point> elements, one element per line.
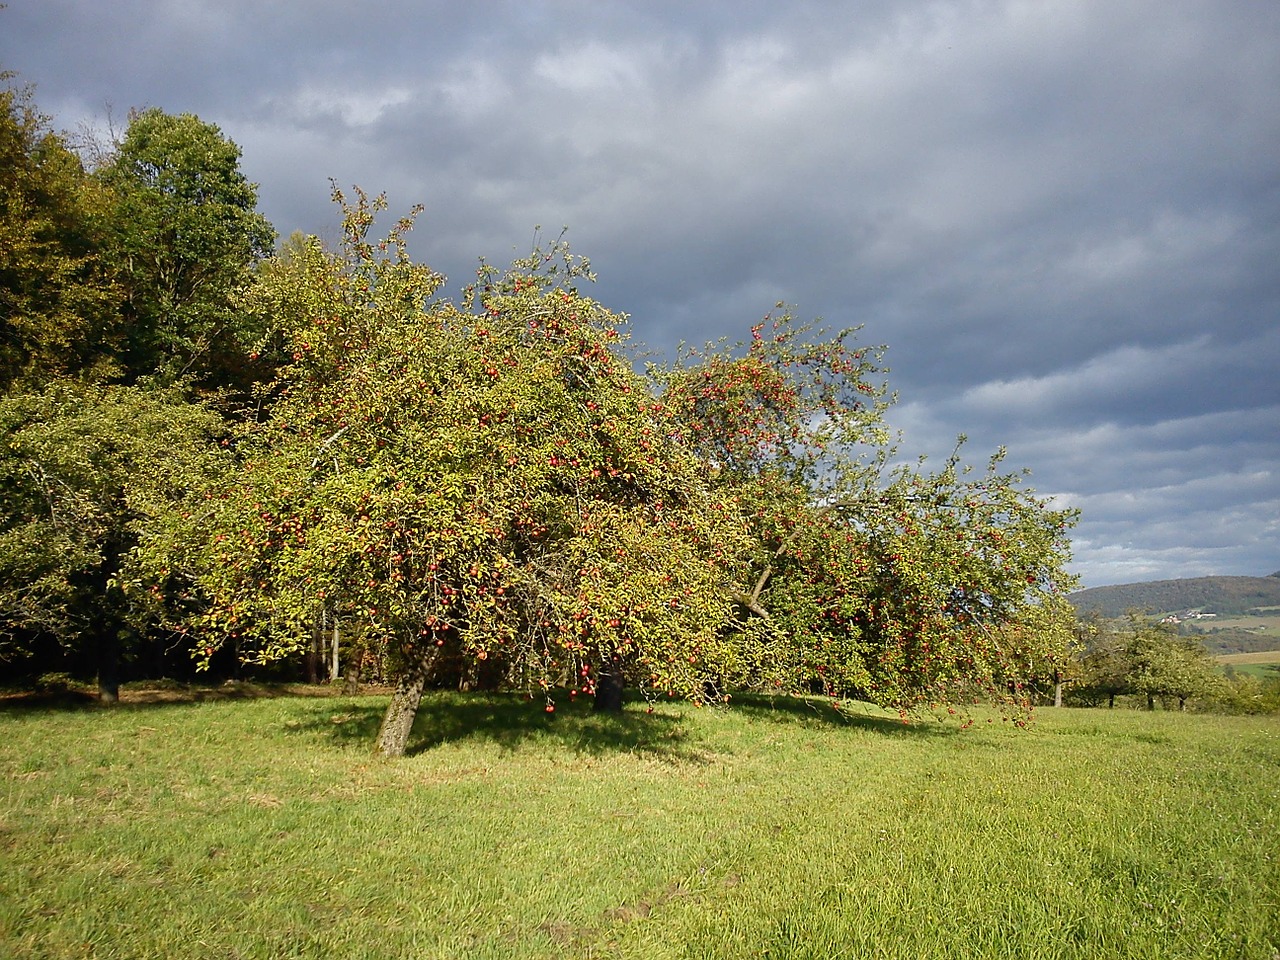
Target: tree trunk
<point>351,676</point>
<point>398,721</point>
<point>333,663</point>
<point>1151,701</point>
<point>1111,702</point>
<point>609,689</point>
<point>1057,689</point>
<point>109,664</point>
<point>313,652</point>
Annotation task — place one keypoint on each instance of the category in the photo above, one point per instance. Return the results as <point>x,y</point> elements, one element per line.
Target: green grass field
<point>1263,665</point>
<point>264,828</point>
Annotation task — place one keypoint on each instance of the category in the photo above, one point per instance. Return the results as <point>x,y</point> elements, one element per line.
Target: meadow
<point>261,826</point>
<point>1263,664</point>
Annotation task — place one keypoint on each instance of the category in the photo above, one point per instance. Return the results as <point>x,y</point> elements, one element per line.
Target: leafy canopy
<point>489,479</point>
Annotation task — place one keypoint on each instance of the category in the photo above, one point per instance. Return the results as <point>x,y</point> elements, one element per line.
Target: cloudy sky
<point>1062,216</point>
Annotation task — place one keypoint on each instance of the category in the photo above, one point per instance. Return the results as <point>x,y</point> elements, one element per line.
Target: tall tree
<point>58,306</point>
<point>185,239</point>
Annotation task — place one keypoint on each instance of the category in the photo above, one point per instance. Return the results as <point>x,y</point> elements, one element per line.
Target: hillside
<point>1220,595</point>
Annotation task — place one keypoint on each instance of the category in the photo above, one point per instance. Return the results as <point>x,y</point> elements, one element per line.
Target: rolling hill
<point>1220,595</point>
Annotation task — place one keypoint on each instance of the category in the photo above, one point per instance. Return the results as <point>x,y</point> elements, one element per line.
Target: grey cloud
<point>1064,218</point>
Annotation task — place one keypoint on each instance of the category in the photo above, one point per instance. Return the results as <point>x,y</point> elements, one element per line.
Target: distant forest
<point>1224,596</point>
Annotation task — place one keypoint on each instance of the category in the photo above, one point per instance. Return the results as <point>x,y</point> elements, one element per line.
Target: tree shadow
<point>819,713</point>
<point>156,694</point>
<point>28,701</point>
<point>511,721</point>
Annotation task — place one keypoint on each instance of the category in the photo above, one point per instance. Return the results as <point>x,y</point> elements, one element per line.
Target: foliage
<point>899,586</point>
<point>486,491</point>
<point>1149,659</point>
<point>1165,664</point>
<point>83,469</point>
<point>185,237</point>
<point>488,481</point>
<point>57,302</point>
<point>1243,691</point>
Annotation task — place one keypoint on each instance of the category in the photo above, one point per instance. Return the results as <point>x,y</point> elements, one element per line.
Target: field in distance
<point>1261,656</point>
<point>1263,664</point>
<point>1263,624</point>
<point>263,827</point>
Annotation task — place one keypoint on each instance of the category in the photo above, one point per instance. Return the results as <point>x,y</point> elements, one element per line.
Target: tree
<point>894,585</point>
<point>82,472</point>
<point>486,482</point>
<point>1164,664</point>
<point>185,238</point>
<point>1146,658</point>
<point>1105,664</point>
<point>57,302</point>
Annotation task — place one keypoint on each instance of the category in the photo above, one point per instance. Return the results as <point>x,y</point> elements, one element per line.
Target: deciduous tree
<point>58,305</point>
<point>487,480</point>
<point>185,238</point>
<point>83,471</point>
<point>896,585</point>
<point>1164,664</point>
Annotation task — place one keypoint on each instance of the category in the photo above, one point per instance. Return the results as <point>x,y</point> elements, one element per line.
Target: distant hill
<point>1220,595</point>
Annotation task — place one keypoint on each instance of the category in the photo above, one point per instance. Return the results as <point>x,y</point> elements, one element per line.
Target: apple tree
<point>486,481</point>
<point>896,585</point>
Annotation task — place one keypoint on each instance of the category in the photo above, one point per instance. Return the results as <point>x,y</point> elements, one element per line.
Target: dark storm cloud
<point>1063,217</point>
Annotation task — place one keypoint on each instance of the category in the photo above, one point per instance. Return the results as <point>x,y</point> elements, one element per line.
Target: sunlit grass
<point>264,828</point>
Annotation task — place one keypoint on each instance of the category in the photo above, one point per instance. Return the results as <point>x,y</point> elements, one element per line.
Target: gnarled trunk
<point>393,737</point>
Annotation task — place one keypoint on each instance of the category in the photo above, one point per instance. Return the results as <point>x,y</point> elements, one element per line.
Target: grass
<point>262,827</point>
<point>1263,664</point>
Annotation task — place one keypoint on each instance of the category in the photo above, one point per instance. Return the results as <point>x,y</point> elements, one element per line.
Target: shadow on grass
<point>511,721</point>
<point>507,719</point>
<point>818,712</point>
<point>162,693</point>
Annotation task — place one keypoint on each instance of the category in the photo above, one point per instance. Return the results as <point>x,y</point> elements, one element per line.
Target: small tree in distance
<point>1148,659</point>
